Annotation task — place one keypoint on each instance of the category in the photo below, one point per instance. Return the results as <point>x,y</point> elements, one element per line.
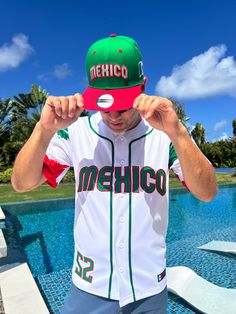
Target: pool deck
<point>3,245</point>
<point>19,292</point>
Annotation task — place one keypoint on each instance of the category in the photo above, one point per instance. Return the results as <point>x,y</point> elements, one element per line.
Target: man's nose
<point>114,115</point>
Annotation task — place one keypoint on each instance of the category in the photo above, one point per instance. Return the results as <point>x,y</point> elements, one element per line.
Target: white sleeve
<point>174,165</point>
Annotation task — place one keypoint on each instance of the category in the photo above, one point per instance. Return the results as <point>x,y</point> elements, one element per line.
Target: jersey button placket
<point>121,197</point>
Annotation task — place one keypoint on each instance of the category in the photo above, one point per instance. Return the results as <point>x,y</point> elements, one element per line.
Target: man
<point>121,157</point>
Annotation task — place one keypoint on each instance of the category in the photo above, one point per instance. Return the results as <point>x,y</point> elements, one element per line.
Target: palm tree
<point>234,127</point>
<point>198,134</point>
<point>18,117</point>
<point>179,108</point>
<point>27,108</point>
<point>5,108</point>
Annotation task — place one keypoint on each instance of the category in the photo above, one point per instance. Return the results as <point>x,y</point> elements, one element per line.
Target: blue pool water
<point>41,233</point>
<point>228,170</point>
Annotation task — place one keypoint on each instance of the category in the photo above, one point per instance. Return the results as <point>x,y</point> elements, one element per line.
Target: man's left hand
<point>159,113</point>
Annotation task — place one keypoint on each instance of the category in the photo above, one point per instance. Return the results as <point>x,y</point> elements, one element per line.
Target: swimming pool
<point>41,233</point>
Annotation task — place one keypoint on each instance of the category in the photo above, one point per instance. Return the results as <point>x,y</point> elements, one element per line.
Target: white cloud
<point>206,75</point>
<point>42,77</point>
<point>13,54</point>
<point>62,71</point>
<point>220,125</point>
<point>223,136</point>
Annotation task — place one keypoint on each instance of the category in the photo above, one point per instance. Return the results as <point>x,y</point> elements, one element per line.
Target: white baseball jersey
<point>121,205</point>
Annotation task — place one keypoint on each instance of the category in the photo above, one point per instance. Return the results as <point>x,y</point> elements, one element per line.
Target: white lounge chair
<point>3,245</point>
<point>20,294</point>
<point>220,246</point>
<point>200,293</point>
<point>2,216</point>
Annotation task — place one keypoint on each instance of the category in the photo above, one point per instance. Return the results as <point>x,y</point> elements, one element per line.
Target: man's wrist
<point>179,134</point>
<point>46,133</point>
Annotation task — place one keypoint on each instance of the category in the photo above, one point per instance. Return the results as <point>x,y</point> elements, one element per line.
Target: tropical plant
<point>18,117</point>
<point>5,108</point>
<point>198,134</point>
<point>234,127</point>
<point>221,153</point>
<point>179,108</point>
<point>26,112</point>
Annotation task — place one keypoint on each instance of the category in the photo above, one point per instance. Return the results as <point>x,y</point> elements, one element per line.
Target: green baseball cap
<point>115,73</point>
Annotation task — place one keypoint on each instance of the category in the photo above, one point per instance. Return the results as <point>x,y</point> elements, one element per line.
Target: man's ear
<point>144,84</point>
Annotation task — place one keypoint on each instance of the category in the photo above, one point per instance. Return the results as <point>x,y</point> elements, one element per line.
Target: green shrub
<point>5,176</point>
<point>69,177</point>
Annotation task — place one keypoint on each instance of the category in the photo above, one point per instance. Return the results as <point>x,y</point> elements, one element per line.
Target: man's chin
<point>118,130</point>
<point>117,127</point>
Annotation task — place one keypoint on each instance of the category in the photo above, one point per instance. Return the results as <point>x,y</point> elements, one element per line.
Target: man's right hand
<point>60,112</point>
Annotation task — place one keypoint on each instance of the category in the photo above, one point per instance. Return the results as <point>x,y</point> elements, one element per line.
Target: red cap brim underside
<point>118,99</point>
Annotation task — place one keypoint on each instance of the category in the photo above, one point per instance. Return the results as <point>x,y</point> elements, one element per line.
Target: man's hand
<point>199,175</point>
<point>159,113</point>
<point>60,112</point>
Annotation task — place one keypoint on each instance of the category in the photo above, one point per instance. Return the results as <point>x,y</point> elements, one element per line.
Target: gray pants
<point>81,302</point>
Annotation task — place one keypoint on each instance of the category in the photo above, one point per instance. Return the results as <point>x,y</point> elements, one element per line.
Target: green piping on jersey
<point>172,155</point>
<point>130,218</point>
<point>111,208</point>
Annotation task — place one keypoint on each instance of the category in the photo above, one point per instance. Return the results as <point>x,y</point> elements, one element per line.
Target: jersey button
<point>121,269</point>
<point>122,219</point>
<point>121,245</point>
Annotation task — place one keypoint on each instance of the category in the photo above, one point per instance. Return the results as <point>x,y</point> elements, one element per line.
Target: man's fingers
<point>66,107</point>
<point>139,104</point>
<point>145,105</point>
<point>148,105</point>
<point>79,100</point>
<point>72,107</point>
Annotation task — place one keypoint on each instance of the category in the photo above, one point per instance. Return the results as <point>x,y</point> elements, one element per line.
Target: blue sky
<point>188,47</point>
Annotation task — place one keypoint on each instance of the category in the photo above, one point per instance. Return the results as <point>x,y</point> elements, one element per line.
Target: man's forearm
<point>27,171</point>
<point>198,173</point>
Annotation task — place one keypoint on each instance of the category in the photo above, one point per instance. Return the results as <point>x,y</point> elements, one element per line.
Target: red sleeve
<point>52,170</point>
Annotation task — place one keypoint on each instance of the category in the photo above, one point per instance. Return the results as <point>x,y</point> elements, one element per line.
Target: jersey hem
<point>140,296</point>
<point>126,300</point>
<point>92,291</point>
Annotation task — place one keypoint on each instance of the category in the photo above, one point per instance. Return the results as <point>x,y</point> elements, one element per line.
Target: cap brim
<point>110,99</point>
